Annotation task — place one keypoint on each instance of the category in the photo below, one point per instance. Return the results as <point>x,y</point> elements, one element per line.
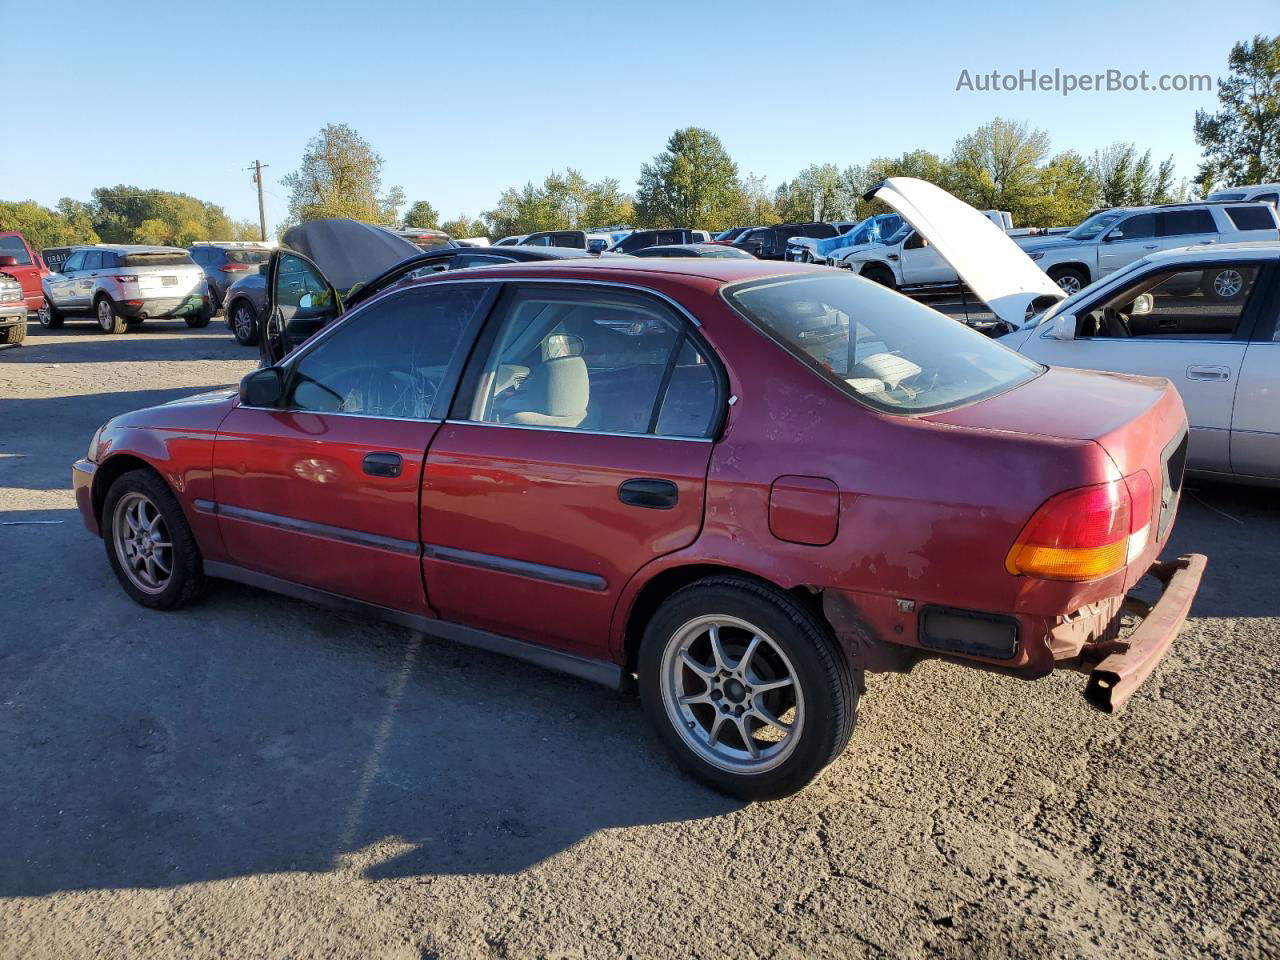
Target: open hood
<point>983,255</point>
<point>348,252</point>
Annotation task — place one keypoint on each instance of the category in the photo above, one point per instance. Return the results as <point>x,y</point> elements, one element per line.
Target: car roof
<point>130,248</point>
<point>1245,250</point>
<point>640,269</point>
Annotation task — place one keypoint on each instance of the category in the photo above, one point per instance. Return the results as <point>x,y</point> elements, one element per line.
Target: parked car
<point>800,248</point>
<point>247,297</point>
<point>1202,316</point>
<point>1114,238</point>
<point>829,249</point>
<point>425,239</point>
<point>694,250</point>
<point>770,243</point>
<point>730,235</point>
<point>511,240</point>
<point>27,268</point>
<point>13,307</point>
<point>121,285</point>
<point>569,239</point>
<point>742,484</point>
<point>225,262</point>
<point>639,239</point>
<point>1259,193</point>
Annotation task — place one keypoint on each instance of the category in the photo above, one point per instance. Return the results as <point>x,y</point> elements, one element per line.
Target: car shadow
<point>253,734</point>
<point>73,344</point>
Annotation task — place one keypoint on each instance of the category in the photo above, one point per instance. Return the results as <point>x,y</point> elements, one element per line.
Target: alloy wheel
<point>142,543</point>
<point>732,694</point>
<point>1069,283</point>
<point>44,314</point>
<point>242,323</point>
<point>106,316</point>
<point>1228,284</point>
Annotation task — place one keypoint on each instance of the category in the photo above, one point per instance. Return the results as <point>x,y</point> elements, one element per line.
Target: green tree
<point>1241,142</point>
<point>818,192</point>
<point>997,166</point>
<point>1113,169</point>
<point>1067,192</point>
<point>423,216</point>
<point>754,205</point>
<point>120,212</point>
<point>607,205</point>
<point>341,176</point>
<point>464,227</point>
<point>693,183</point>
<point>44,227</point>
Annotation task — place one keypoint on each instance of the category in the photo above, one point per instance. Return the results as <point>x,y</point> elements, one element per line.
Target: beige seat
<point>558,389</point>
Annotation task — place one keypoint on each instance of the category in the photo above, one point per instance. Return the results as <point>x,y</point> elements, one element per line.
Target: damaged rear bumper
<point>1118,667</point>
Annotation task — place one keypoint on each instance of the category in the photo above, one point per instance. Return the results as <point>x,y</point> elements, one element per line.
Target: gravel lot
<point>253,777</point>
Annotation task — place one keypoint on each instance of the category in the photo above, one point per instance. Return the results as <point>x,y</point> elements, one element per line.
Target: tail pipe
<point>1113,681</point>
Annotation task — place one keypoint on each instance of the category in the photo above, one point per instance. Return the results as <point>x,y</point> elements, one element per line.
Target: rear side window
<point>1182,223</point>
<point>883,350</point>
<point>110,260</point>
<point>1251,218</point>
<point>92,260</point>
<point>13,247</point>
<point>157,258</point>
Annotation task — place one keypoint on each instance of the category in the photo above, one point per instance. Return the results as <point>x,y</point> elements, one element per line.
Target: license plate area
<point>169,281</point>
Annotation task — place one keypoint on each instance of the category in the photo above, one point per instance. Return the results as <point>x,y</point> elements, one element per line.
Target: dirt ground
<point>253,777</point>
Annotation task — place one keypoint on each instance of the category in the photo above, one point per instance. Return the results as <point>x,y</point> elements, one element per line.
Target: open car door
<point>300,302</point>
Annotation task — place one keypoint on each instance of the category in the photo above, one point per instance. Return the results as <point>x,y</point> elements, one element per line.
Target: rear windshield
<point>248,256</point>
<point>158,258</point>
<point>1220,195</point>
<point>13,247</point>
<point>879,347</point>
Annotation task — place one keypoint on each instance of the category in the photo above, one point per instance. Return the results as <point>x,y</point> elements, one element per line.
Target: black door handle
<point>382,464</point>
<point>646,492</point>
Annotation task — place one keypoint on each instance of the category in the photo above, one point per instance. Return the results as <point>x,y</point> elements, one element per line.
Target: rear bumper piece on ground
<point>82,484</point>
<point>1125,664</point>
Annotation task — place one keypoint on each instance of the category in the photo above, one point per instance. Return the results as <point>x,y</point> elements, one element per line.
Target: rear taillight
<point>127,277</point>
<point>234,267</point>
<point>1142,500</point>
<point>1081,534</point>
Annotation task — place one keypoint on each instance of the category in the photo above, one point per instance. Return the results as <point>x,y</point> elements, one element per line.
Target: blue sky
<point>464,100</point>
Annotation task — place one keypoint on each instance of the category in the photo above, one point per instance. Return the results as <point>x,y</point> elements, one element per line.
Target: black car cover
<point>348,252</point>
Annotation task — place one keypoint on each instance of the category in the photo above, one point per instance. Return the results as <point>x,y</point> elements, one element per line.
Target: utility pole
<point>257,168</point>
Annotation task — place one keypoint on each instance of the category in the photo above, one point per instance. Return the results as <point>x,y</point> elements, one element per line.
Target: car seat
<point>558,389</point>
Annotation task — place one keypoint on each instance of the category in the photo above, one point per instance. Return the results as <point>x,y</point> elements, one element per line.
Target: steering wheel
<point>1115,323</point>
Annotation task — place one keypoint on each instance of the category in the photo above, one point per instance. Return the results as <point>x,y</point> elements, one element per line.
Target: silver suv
<point>122,285</point>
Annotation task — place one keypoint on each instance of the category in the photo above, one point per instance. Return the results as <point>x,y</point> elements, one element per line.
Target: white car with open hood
<point>1207,317</point>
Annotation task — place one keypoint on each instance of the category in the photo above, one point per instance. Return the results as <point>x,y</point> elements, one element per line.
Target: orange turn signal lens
<point>1081,534</point>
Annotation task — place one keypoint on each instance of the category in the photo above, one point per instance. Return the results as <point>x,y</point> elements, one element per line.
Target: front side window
<point>388,360</point>
<point>888,352</point>
<point>1094,225</point>
<point>92,260</point>
<point>1140,227</point>
<point>74,262</point>
<point>14,247</point>
<point>599,362</point>
<point>1181,304</point>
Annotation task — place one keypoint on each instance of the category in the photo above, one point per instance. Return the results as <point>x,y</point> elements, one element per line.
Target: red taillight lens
<point>234,267</point>
<point>127,277</point>
<point>1081,534</point>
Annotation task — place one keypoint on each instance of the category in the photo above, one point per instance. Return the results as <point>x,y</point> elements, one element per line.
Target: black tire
<point>109,319</point>
<point>1224,286</point>
<point>49,316</point>
<point>198,320</point>
<point>1070,279</point>
<point>14,333</point>
<point>817,663</point>
<point>243,321</point>
<point>186,580</point>
<point>881,276</point>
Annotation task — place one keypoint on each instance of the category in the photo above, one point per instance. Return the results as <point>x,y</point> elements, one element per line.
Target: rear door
<point>1181,228</point>
<point>1188,335</point>
<point>323,489</point>
<point>86,278</point>
<point>576,453</point>
<point>1255,422</point>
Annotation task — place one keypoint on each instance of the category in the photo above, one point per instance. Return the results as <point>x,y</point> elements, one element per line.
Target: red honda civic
<point>736,483</point>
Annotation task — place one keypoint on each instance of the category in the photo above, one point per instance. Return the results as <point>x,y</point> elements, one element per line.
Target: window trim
<point>1246,326</point>
<point>459,410</point>
<point>448,383</point>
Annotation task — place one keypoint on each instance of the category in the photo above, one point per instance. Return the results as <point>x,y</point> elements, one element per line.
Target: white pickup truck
<point>1115,238</point>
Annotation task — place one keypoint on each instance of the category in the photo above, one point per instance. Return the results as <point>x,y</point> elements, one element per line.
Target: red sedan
<point>742,484</point>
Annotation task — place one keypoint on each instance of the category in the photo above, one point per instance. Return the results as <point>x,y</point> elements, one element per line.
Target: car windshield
<point>882,349</point>
<point>1095,225</point>
<point>248,256</point>
<point>156,258</point>
<point>13,247</point>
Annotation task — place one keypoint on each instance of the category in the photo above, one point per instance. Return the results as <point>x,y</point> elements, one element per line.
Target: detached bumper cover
<point>1125,664</point>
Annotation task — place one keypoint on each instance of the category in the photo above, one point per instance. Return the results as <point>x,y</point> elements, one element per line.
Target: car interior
<point>1175,305</point>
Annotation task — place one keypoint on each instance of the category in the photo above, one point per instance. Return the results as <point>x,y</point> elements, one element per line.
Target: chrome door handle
<point>1208,371</point>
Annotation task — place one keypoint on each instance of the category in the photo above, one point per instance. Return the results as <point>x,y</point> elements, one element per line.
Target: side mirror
<point>1064,328</point>
<point>264,268</point>
<point>1143,304</point>
<point>304,301</point>
<point>1113,235</point>
<point>262,388</point>
<point>8,260</point>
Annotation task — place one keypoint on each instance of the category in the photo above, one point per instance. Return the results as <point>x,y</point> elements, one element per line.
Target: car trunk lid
<point>984,256</point>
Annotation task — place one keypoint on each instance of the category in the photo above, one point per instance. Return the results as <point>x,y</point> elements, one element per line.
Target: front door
<point>922,263</point>
<point>323,489</point>
<point>576,453</point>
<point>1129,240</point>
<point>62,284</point>
<point>1168,324</point>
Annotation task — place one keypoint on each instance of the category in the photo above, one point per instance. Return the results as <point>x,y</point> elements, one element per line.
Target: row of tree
<point>1004,165</point>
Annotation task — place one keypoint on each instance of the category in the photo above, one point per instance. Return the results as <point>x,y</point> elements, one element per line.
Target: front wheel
<point>1069,279</point>
<point>244,323</point>
<point>14,333</point>
<point>109,319</point>
<point>48,315</point>
<point>746,686</point>
<point>149,544</point>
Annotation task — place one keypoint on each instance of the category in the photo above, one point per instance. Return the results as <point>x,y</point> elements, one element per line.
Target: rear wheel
<point>200,319</point>
<point>48,315</point>
<point>14,334</point>
<point>749,690</point>
<point>1224,285</point>
<point>881,276</point>
<point>109,319</point>
<point>244,323</point>
<point>1069,279</point>
<point>149,544</point>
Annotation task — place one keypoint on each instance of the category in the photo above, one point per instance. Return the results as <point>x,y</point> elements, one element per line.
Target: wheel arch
<point>1079,265</point>
<point>110,470</point>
